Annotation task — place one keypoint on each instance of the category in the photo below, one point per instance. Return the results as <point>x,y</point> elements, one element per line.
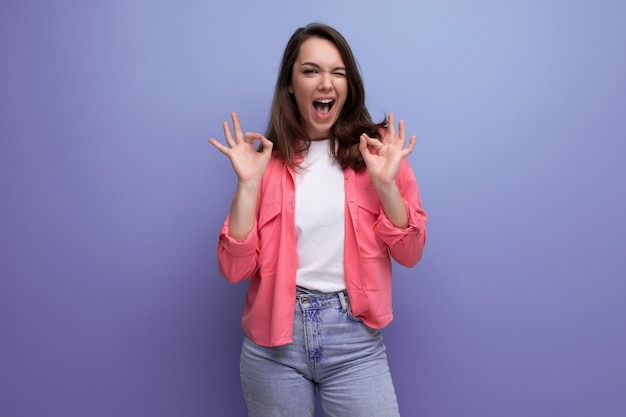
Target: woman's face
<point>319,85</point>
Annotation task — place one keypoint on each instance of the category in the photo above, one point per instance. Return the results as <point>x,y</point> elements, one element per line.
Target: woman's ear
<point>290,89</point>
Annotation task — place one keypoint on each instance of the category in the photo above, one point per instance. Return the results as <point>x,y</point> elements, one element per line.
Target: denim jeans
<point>332,353</point>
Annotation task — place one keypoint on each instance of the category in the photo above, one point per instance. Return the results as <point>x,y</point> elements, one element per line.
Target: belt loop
<point>342,300</point>
<point>302,299</point>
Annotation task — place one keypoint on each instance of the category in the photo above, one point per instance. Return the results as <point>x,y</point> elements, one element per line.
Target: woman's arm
<point>237,248</point>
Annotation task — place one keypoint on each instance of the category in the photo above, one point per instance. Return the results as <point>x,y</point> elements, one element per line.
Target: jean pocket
<point>351,317</point>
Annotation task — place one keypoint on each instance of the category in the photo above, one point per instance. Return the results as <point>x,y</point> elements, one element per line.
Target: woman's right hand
<point>248,163</point>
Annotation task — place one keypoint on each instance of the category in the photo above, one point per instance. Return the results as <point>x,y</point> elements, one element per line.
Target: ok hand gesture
<point>248,164</point>
<point>383,158</point>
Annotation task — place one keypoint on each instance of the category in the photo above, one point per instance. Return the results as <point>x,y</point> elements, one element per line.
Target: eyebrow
<point>313,64</point>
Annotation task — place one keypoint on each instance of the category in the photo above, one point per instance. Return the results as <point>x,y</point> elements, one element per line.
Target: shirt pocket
<point>370,245</point>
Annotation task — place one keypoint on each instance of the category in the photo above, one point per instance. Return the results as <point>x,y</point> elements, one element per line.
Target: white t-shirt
<point>320,221</point>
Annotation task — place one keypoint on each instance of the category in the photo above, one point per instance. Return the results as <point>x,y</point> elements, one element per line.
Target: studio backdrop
<point>111,304</point>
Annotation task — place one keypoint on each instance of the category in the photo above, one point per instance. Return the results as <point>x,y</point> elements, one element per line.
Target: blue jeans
<point>332,352</point>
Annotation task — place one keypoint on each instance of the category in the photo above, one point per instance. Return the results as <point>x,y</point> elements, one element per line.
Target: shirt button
<point>352,199</point>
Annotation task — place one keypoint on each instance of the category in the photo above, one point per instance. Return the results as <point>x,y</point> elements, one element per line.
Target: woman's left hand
<point>383,158</point>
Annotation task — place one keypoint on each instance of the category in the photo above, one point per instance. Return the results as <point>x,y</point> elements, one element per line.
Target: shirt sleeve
<point>237,260</point>
<point>405,245</point>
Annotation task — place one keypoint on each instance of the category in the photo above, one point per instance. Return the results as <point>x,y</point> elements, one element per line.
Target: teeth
<point>325,101</point>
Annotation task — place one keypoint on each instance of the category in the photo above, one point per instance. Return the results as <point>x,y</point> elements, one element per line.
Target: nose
<point>325,82</point>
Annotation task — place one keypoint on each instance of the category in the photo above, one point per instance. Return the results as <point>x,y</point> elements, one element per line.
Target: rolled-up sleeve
<point>237,260</point>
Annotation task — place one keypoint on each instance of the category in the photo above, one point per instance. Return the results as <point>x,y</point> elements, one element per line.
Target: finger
<point>373,142</point>
<point>223,149</point>
<point>251,137</point>
<point>237,127</point>
<point>409,148</point>
<point>228,135</point>
<point>391,129</point>
<point>363,148</point>
<point>401,132</point>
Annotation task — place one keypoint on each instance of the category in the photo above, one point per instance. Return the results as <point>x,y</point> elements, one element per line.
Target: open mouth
<point>323,106</point>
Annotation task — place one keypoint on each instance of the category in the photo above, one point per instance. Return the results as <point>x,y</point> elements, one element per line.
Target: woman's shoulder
<point>276,167</point>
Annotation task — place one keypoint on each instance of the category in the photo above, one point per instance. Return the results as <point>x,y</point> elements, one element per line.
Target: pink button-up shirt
<point>268,256</point>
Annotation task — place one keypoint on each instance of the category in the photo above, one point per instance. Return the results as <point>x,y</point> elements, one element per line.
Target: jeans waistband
<point>312,299</point>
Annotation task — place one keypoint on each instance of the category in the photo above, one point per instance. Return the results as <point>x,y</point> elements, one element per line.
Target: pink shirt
<point>268,255</point>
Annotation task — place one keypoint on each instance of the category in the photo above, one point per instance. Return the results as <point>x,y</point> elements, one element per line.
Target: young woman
<point>320,208</point>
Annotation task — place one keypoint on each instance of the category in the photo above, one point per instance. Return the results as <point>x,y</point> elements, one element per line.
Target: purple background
<point>111,200</point>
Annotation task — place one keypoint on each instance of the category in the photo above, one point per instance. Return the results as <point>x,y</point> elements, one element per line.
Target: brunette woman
<point>324,200</point>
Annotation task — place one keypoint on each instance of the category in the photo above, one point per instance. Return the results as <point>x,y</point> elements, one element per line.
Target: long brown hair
<point>286,127</point>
